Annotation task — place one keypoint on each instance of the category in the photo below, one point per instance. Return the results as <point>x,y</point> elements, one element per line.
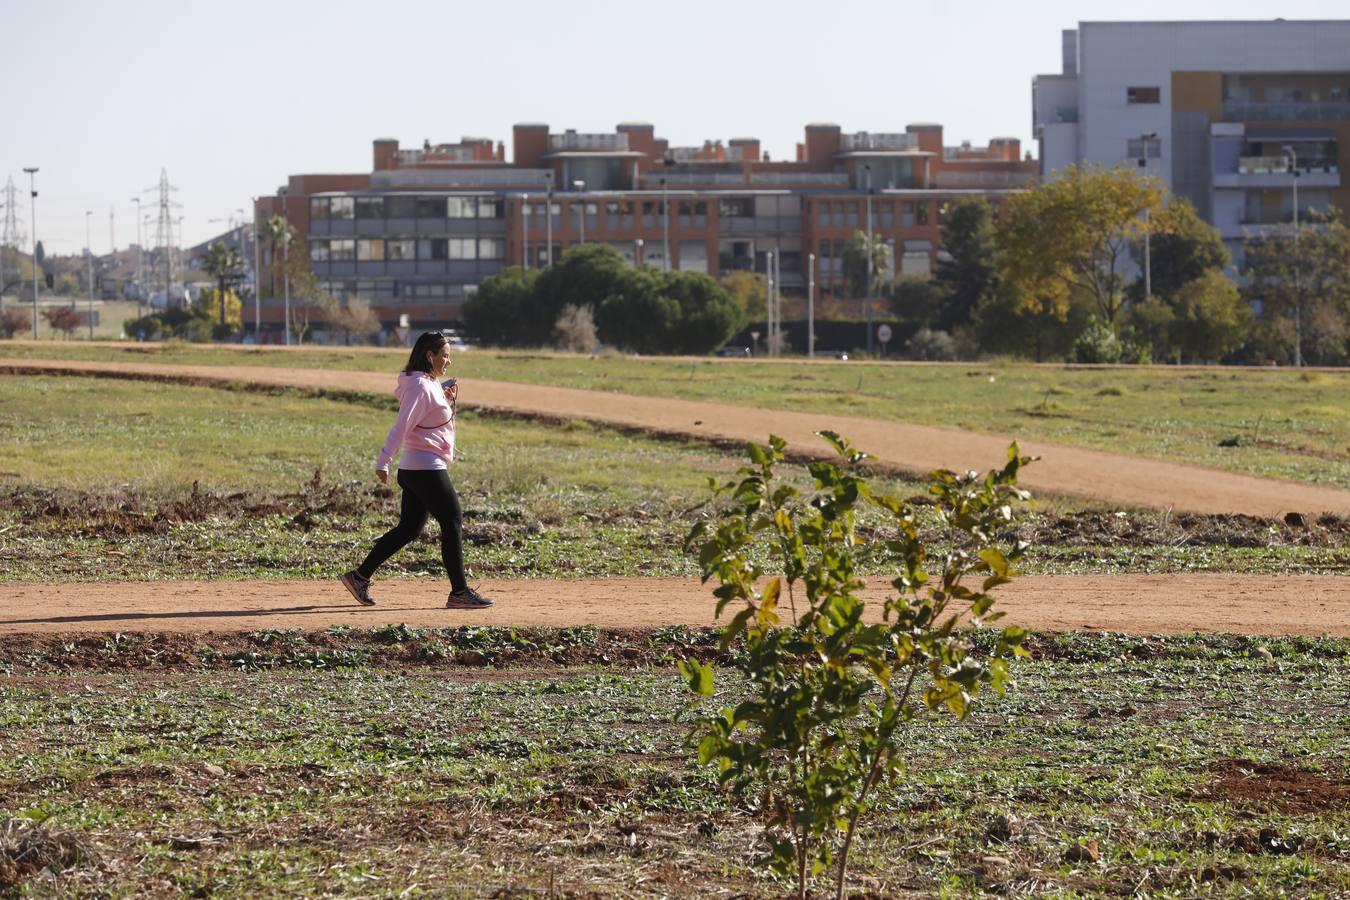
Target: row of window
<point>405,249</point>
<point>405,207</point>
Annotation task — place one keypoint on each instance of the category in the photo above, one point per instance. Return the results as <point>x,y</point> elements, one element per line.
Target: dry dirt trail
<point>1070,471</point>
<point>1150,604</point>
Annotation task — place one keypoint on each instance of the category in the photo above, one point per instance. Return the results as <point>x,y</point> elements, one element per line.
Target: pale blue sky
<point>231,98</point>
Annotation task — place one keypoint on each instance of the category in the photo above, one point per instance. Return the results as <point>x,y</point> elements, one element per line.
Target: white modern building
<point>1227,114</point>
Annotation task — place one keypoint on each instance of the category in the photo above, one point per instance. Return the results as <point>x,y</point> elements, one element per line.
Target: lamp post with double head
<point>1291,160</point>
<point>32,209</point>
<point>580,187</point>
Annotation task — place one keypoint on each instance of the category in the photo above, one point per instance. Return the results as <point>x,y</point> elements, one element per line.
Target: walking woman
<point>425,431</point>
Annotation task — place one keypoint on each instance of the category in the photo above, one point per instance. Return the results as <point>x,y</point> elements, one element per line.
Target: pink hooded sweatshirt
<point>426,422</point>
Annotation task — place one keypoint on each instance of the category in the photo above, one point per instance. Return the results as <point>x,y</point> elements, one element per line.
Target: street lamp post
<point>1144,140</point>
<point>548,221</point>
<point>665,226</point>
<point>867,301</point>
<point>525,231</point>
<point>810,304</point>
<point>580,187</point>
<point>1292,157</point>
<point>32,209</point>
<point>637,252</point>
<point>89,269</point>
<point>140,257</point>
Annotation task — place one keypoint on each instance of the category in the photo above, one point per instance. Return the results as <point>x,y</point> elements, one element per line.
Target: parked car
<point>734,351</point>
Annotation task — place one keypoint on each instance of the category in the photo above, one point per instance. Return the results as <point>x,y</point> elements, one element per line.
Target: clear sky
<point>231,98</point>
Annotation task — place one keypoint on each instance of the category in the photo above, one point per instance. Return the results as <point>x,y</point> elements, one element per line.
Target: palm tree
<point>854,263</point>
<point>224,264</point>
<point>280,235</point>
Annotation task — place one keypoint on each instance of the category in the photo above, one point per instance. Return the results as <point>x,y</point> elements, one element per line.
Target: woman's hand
<point>452,395</point>
<point>383,475</point>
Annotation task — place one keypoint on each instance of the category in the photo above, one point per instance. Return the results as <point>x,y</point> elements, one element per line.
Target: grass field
<point>513,762</point>
<point>470,762</point>
<point>108,479</point>
<point>1278,423</point>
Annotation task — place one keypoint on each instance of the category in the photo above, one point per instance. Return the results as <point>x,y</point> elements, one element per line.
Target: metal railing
<point>950,179</point>
<point>800,179</point>
<point>573,141</point>
<point>1244,111</point>
<point>1279,165</point>
<point>892,141</point>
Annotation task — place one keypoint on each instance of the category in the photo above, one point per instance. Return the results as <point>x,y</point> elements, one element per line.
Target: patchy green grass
<point>1164,766</point>
<point>1278,423</point>
<point>172,481</point>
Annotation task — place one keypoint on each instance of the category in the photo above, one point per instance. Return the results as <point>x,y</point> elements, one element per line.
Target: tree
<point>225,265</point>
<point>1211,319</point>
<point>916,300</point>
<point>355,319</point>
<point>1004,324</point>
<point>278,233</point>
<point>854,264</point>
<point>709,315</point>
<point>749,291</point>
<point>223,309</point>
<point>1303,287</point>
<point>585,276</point>
<point>639,315</point>
<point>13,320</point>
<point>493,315</point>
<point>575,330</point>
<point>967,272</point>
<point>62,318</point>
<point>67,284</point>
<point>1073,233</point>
<point>1182,247</point>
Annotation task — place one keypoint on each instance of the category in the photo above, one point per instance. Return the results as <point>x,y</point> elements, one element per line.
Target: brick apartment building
<point>418,233</point>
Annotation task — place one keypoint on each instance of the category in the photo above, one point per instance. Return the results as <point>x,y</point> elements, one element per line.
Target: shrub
<point>575,329</point>
<point>932,345</point>
<point>13,321</point>
<point>830,695</point>
<point>1097,344</point>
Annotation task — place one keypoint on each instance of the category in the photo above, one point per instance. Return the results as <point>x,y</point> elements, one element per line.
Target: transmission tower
<point>11,238</point>
<point>164,238</point>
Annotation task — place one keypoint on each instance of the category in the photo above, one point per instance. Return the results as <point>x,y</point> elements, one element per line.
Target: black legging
<point>424,491</point>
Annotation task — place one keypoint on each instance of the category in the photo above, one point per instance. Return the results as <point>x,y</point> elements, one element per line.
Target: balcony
<point>1273,172</point>
<point>571,141</point>
<point>894,141</point>
<point>800,179</point>
<point>993,180</point>
<point>1285,111</point>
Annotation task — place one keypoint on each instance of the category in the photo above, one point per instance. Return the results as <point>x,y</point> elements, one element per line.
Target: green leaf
<point>698,676</point>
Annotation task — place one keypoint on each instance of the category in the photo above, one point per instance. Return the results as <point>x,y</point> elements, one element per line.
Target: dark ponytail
<point>427,342</point>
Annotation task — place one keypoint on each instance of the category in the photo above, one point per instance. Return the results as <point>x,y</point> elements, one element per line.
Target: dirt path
<point>1093,474</point>
<point>1155,604</point>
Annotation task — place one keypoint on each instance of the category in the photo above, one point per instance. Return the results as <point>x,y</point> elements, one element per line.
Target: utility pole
<point>164,237</point>
<point>10,238</point>
<point>112,232</point>
<point>32,208</point>
<point>140,257</point>
<point>1292,156</point>
<point>810,304</point>
<point>286,267</point>
<point>257,279</point>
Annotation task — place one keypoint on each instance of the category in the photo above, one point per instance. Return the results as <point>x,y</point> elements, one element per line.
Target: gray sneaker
<point>467,599</point>
<point>359,587</point>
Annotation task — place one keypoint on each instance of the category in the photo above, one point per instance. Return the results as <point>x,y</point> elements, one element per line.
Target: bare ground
<point>1149,604</point>
<point>1068,471</point>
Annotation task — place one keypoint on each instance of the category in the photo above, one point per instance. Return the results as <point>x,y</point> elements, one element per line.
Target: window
<point>491,248</point>
<point>370,207</point>
<point>400,249</point>
<point>342,208</point>
<point>318,251</point>
<point>342,251</point>
<point>1143,95</point>
<point>318,208</point>
<point>736,208</point>
<point>401,207</point>
<point>461,248</point>
<point>431,250</point>
<point>461,207</point>
<point>431,207</point>
<point>1135,148</point>
<point>489,208</point>
<point>370,250</point>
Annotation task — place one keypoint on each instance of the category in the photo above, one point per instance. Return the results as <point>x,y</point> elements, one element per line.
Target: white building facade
<point>1227,114</point>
